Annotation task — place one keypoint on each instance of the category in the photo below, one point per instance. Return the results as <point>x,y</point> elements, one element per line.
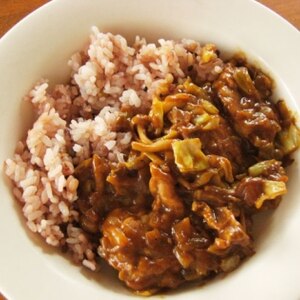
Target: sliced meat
<point>253,117</point>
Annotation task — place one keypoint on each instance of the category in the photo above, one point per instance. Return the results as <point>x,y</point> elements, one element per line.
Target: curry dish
<point>205,158</point>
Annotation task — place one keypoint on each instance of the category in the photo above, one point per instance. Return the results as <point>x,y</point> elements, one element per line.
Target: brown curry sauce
<point>203,161</point>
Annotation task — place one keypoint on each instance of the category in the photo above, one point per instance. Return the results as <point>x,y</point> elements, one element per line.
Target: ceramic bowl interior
<point>40,46</point>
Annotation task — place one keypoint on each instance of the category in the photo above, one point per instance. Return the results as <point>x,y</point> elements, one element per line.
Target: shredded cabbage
<point>188,155</point>
<point>289,139</point>
<point>271,190</point>
<point>261,167</point>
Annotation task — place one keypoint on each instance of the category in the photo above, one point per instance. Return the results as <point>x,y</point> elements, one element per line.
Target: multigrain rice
<point>76,120</point>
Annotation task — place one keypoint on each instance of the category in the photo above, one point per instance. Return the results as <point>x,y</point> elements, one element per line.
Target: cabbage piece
<point>157,115</point>
<point>136,162</point>
<point>202,119</point>
<point>194,89</point>
<point>167,205</point>
<point>215,195</point>
<point>188,155</point>
<point>223,165</point>
<point>271,190</point>
<point>190,250</point>
<point>289,139</point>
<point>201,179</point>
<point>230,232</point>
<point>244,81</point>
<point>154,158</point>
<point>171,134</point>
<point>160,145</point>
<point>142,135</point>
<point>205,115</point>
<point>261,167</point>
<point>207,122</point>
<point>178,100</point>
<point>182,232</point>
<point>209,107</point>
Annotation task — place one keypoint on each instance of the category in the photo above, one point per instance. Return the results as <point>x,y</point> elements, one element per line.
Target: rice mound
<point>78,119</point>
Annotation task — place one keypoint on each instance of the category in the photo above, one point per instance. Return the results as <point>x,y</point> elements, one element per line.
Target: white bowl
<point>40,46</point>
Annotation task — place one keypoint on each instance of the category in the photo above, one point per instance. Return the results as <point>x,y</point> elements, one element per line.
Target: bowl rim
<point>8,39</point>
